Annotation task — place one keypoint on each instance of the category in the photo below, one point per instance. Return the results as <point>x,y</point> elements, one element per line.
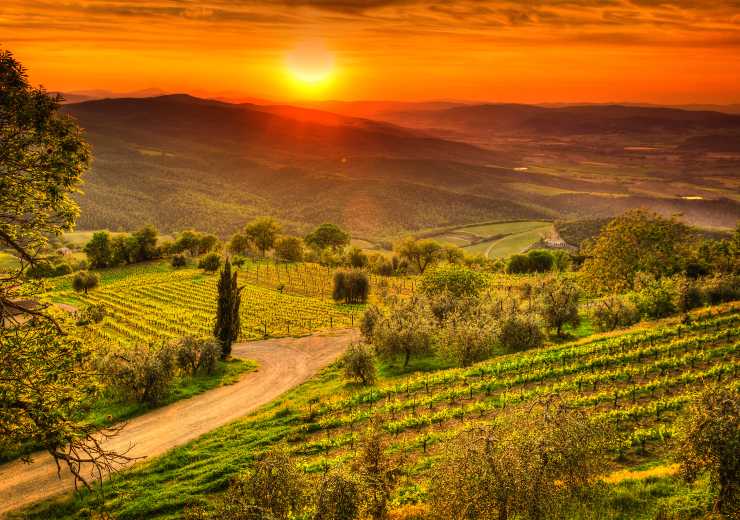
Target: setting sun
<point>310,64</point>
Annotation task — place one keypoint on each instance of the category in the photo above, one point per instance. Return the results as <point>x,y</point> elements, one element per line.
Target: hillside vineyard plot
<point>150,307</point>
<point>639,381</point>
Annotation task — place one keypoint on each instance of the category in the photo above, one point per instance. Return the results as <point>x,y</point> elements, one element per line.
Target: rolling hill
<point>178,161</point>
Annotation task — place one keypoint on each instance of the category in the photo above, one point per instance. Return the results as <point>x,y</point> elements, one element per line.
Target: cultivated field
<point>496,239</point>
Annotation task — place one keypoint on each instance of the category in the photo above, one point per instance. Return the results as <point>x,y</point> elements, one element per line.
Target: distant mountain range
<point>179,161</point>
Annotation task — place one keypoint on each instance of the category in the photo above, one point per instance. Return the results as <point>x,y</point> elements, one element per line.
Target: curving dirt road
<point>283,364</point>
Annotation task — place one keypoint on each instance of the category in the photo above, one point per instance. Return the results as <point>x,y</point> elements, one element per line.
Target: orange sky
<point>528,51</point>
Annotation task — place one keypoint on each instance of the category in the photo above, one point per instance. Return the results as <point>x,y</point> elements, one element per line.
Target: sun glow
<point>310,65</point>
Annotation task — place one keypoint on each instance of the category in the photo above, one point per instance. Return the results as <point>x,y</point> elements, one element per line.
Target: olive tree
<point>534,465</point>
<point>559,299</point>
<point>709,440</point>
<point>262,232</point>
<point>85,281</point>
<point>407,330</point>
<point>358,363</point>
<point>467,338</point>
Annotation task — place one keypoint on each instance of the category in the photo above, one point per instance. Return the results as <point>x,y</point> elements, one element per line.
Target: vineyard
<point>639,380</point>
<point>152,303</point>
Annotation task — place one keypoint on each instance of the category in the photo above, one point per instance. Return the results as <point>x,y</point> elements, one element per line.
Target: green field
<point>495,239</point>
<point>640,379</point>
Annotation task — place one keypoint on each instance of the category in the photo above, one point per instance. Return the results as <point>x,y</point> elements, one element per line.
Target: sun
<point>310,64</point>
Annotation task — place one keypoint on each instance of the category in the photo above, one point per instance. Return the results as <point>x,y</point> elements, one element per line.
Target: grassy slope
<point>511,244</point>
<point>187,475</point>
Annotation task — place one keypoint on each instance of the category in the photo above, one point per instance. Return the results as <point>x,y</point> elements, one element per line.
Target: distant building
<point>556,243</point>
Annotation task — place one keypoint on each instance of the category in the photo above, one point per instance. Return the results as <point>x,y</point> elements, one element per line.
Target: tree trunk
<point>406,360</point>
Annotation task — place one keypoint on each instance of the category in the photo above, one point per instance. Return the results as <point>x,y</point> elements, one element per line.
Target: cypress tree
<point>227,325</point>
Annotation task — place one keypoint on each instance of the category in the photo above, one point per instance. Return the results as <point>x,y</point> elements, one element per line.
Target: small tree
<point>407,331</point>
<point>359,363</point>
<point>196,354</point>
<point>457,280</point>
<point>655,297</point>
<point>142,373</point>
<point>452,254</point>
<point>351,286</point>
<point>370,319</point>
<point>377,473</point>
<point>540,261</point>
<point>339,497</point>
<point>210,263</point>
<point>273,489</point>
<point>262,232</point>
<point>612,312</point>
<point>710,441</point>
<point>227,326</point>
<point>178,261</point>
<point>239,244</point>
<point>356,258</point>
<point>98,249</point>
<point>558,301</point>
<point>520,331</point>
<point>85,281</point>
<point>289,249</point>
<point>420,253</point>
<point>328,235</point>
<point>466,339</point>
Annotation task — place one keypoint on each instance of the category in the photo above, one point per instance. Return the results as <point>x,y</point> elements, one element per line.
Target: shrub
<point>613,312</point>
<point>540,261</point>
<point>356,258</point>
<point>179,260</point>
<point>194,355</point>
<point>289,249</point>
<point>48,270</point>
<point>458,280</point>
<point>520,331</point>
<point>210,262</point>
<point>142,373</point>
<point>359,363</point>
<point>351,286</point>
<point>84,281</point>
<point>518,264</point>
<point>93,313</point>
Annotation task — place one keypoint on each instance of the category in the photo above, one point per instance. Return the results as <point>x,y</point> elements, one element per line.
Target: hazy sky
<point>529,51</point>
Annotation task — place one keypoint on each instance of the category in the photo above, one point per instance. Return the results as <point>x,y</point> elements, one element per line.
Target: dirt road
<point>283,364</point>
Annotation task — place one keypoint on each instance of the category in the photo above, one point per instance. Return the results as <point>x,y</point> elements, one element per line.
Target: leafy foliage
<point>328,236</point>
<point>262,232</point>
<point>457,280</point>
<point>358,363</point>
<point>351,286</point>
<point>210,262</point>
<point>637,241</point>
<point>710,441</point>
<point>409,330</point>
<point>559,299</point>
<point>227,326</point>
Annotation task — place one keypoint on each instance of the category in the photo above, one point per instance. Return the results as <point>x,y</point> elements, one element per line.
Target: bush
<point>687,295</point>
<point>518,264</point>
<point>179,260</point>
<point>289,249</point>
<point>359,363</point>
<point>356,258</point>
<point>84,281</point>
<point>614,312</point>
<point>558,302</point>
<point>211,262</point>
<point>520,331</point>
<point>142,374</point>
<point>93,313</point>
<point>351,286</point>
<point>195,355</point>
<point>457,280</point>
<point>339,497</point>
<point>540,261</point>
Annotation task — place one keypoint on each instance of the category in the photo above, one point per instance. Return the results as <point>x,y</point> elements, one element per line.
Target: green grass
<point>110,410</point>
<point>311,418</point>
<point>8,261</point>
<point>511,244</point>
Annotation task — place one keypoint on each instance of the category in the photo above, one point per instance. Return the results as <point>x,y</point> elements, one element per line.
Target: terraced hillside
<point>495,239</point>
<point>639,379</point>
